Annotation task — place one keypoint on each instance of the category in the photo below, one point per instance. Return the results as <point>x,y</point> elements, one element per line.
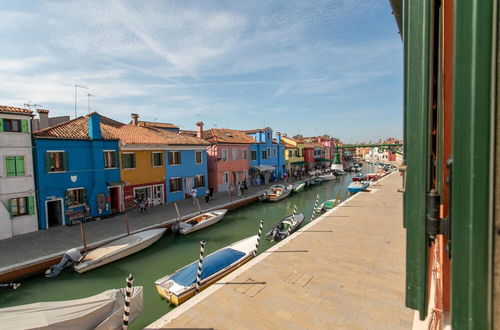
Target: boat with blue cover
<point>181,285</point>
<point>357,186</point>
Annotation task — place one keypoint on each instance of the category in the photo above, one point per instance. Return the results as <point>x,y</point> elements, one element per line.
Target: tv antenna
<point>88,96</point>
<point>76,91</point>
<point>29,105</point>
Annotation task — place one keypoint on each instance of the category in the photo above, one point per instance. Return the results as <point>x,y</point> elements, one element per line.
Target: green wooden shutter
<point>1,124</point>
<point>20,166</point>
<point>24,126</point>
<point>31,205</point>
<point>10,165</point>
<point>48,162</point>
<point>65,160</point>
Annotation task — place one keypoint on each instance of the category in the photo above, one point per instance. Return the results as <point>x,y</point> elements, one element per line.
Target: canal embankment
<point>346,269</point>
<point>32,253</point>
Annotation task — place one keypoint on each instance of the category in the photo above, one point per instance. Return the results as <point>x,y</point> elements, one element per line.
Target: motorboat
<point>298,187</point>
<point>201,221</point>
<point>101,311</point>
<point>285,227</point>
<point>316,181</point>
<point>327,177</point>
<point>181,284</point>
<point>118,249</point>
<point>355,187</point>
<point>278,192</point>
<point>326,205</point>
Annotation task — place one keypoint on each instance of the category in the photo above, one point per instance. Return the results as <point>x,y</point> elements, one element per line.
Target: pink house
<point>228,156</point>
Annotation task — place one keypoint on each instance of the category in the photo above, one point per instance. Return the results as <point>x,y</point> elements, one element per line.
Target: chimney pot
<point>43,116</point>
<point>199,130</point>
<point>135,119</point>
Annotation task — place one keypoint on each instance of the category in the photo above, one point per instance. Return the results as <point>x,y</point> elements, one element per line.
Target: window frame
<point>201,157</point>
<point>244,154</point>
<point>133,160</point>
<point>275,152</point>
<point>20,126</point>
<point>171,159</point>
<point>64,166</point>
<point>170,186</point>
<point>252,153</point>
<point>81,196</point>
<point>196,181</point>
<point>26,206</point>
<point>153,158</point>
<point>264,154</point>
<point>224,155</point>
<point>113,158</point>
<point>224,175</point>
<point>16,172</point>
<point>234,154</point>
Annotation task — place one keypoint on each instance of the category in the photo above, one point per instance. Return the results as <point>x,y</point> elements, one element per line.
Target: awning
<point>323,160</point>
<point>299,163</point>
<point>116,183</point>
<point>263,168</point>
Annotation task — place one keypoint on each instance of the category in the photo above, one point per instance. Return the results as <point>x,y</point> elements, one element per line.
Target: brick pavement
<point>344,270</point>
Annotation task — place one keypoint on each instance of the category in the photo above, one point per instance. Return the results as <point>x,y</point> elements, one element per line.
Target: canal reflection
<point>172,252</point>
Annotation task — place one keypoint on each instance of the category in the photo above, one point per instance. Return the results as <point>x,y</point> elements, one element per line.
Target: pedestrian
<point>238,188</point>
<point>242,189</point>
<point>207,196</point>
<point>211,189</point>
<point>245,185</point>
<point>193,194</point>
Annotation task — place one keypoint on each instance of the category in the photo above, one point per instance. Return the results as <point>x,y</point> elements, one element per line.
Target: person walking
<point>207,196</point>
<point>193,194</point>
<point>211,189</point>
<point>242,189</point>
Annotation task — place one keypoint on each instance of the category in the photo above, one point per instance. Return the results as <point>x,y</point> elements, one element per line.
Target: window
<point>254,155</point>
<point>199,181</point>
<point>234,153</point>
<point>143,193</point>
<point>283,152</point>
<point>14,165</point>
<point>264,154</point>
<point>290,153</point>
<point>275,152</point>
<point>244,154</point>
<point>224,155</point>
<point>21,206</point>
<point>128,160</point>
<point>175,184</point>
<point>225,177</point>
<point>198,157</point>
<point>245,175</point>
<point>268,136</point>
<point>268,152</point>
<point>174,158</point>
<point>157,158</point>
<point>110,159</point>
<point>12,125</point>
<point>56,161</point>
<point>75,196</point>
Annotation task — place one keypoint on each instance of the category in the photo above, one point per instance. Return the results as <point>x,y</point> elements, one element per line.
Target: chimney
<point>278,137</point>
<point>135,119</point>
<point>43,116</point>
<point>94,123</point>
<point>199,130</point>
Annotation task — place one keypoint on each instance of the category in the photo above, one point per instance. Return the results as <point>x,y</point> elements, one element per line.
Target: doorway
<point>114,193</point>
<point>158,194</point>
<point>54,213</point>
<point>235,179</point>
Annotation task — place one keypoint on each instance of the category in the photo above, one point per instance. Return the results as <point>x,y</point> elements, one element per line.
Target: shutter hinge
<point>435,225</point>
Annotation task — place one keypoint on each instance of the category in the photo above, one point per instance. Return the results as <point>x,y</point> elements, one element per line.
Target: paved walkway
<point>40,245</point>
<point>344,270</point>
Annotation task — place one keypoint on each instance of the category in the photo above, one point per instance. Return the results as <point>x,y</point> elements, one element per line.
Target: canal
<point>172,252</point>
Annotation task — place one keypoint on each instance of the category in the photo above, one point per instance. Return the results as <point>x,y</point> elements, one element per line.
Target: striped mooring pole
<point>200,265</point>
<point>12,286</point>
<point>293,219</point>
<point>315,208</point>
<point>128,295</point>
<point>261,226</point>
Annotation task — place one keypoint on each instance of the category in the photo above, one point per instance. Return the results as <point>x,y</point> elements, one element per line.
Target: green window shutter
<point>20,166</point>
<point>65,160</point>
<point>24,126</point>
<point>10,165</point>
<point>48,162</point>
<point>1,124</point>
<point>31,205</point>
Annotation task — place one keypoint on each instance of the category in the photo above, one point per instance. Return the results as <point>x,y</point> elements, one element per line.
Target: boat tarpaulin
<point>102,311</point>
<point>211,265</point>
<point>263,167</point>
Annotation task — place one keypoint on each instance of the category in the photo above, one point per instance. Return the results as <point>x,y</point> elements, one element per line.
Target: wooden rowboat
<point>181,285</point>
<point>118,249</point>
<point>201,221</point>
<point>102,311</point>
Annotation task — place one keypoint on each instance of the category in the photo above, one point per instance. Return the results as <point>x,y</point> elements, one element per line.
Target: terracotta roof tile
<point>225,135</point>
<point>251,131</point>
<point>5,108</point>
<point>290,146</point>
<point>154,124</point>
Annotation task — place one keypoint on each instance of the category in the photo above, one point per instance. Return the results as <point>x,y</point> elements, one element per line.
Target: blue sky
<point>311,67</point>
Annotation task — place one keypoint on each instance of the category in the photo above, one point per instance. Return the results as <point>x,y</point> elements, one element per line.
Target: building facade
<point>267,155</point>
<point>18,213</point>
<point>294,154</point>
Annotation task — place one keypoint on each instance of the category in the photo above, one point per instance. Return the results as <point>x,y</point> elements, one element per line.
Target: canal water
<point>172,252</point>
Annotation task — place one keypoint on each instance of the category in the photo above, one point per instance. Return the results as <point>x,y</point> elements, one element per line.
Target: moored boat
<point>285,226</point>
<point>298,187</point>
<point>181,285</point>
<point>327,177</point>
<point>326,205</point>
<point>355,187</point>
<point>118,249</point>
<point>316,181</point>
<point>278,192</point>
<point>201,221</point>
<point>102,311</point>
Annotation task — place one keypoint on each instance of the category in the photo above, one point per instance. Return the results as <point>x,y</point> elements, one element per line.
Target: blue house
<point>76,163</point>
<point>267,155</point>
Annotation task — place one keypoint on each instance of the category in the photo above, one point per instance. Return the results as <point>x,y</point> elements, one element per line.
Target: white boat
<point>118,249</point>
<point>278,192</point>
<point>284,227</point>
<point>201,221</point>
<point>102,311</point>
<point>181,285</point>
<point>327,177</point>
<point>298,187</point>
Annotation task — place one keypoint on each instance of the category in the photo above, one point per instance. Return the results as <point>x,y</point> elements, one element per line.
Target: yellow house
<point>294,154</point>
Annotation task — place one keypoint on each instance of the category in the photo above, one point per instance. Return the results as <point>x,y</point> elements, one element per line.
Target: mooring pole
<point>337,199</point>
<point>128,295</point>
<point>293,219</point>
<point>177,210</point>
<point>261,226</point>
<point>126,224</point>
<point>84,240</point>
<point>315,208</point>
<point>230,197</point>
<point>12,286</point>
<point>198,203</point>
<point>200,266</point>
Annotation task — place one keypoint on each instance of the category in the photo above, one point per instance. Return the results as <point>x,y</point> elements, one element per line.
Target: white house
<point>17,182</point>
